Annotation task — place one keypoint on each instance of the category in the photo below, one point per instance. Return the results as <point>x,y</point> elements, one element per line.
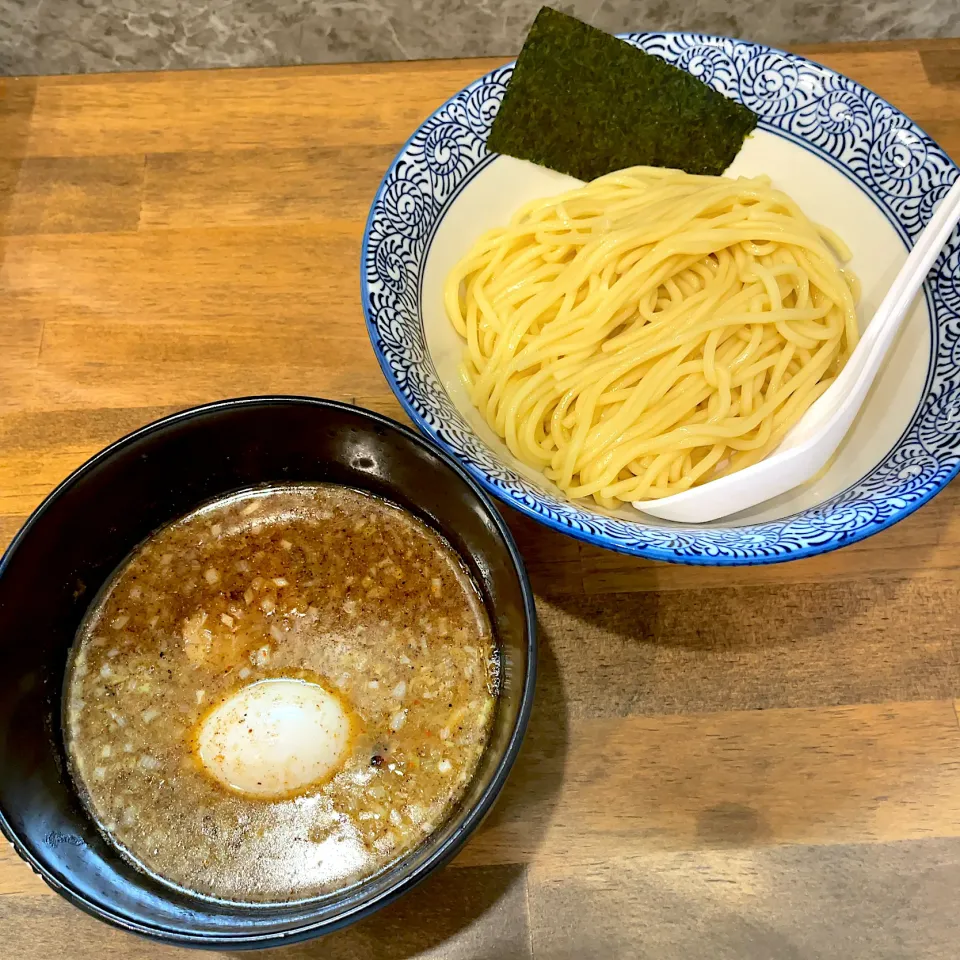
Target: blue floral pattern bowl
<point>881,156</point>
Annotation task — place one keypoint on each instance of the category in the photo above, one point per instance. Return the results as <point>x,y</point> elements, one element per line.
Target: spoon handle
<point>855,379</point>
<point>914,271</point>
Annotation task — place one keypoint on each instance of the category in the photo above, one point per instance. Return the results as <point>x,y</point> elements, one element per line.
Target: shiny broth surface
<point>350,595</point>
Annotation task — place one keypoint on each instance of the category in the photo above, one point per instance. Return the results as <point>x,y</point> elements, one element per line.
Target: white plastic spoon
<point>811,442</point>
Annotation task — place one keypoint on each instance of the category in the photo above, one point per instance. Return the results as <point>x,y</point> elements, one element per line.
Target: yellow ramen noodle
<point>651,330</point>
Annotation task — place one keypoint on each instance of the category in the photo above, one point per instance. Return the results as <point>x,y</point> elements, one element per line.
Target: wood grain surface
<point>743,763</point>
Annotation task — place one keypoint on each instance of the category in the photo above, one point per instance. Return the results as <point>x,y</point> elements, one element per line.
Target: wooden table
<point>744,763</point>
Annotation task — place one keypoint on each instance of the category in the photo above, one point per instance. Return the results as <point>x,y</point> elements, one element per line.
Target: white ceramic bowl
<point>850,160</point>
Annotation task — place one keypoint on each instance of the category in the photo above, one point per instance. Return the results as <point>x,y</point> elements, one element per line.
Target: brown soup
<point>351,597</point>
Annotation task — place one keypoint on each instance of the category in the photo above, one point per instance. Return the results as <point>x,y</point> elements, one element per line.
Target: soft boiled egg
<point>274,737</point>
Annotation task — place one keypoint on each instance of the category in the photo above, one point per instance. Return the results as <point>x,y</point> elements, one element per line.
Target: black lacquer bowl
<point>80,534</point>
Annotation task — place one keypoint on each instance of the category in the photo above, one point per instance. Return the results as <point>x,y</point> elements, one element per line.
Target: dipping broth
<point>280,694</point>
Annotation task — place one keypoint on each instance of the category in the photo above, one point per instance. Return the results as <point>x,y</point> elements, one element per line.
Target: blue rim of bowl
<point>636,549</point>
<point>448,848</point>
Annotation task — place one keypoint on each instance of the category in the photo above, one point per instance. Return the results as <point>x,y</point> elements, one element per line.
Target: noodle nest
<point>651,330</point>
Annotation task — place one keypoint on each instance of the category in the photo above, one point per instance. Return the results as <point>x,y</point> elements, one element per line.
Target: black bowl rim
<point>445,851</point>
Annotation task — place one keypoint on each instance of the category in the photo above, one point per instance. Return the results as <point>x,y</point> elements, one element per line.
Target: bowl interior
<point>70,547</point>
<point>504,184</point>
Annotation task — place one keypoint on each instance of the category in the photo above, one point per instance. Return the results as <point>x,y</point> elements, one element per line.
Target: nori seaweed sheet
<point>585,103</point>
